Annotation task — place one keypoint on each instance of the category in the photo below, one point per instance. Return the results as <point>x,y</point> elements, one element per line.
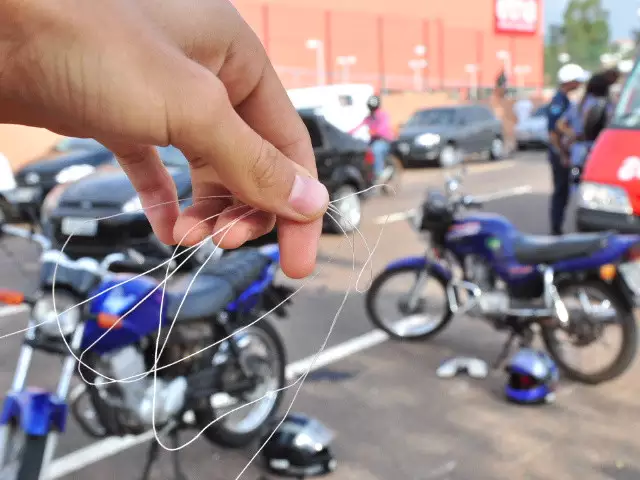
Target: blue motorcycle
<point>568,288</point>
<point>195,385</point>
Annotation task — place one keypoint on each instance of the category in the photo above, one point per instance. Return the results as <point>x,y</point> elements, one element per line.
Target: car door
<point>487,124</point>
<point>469,134</point>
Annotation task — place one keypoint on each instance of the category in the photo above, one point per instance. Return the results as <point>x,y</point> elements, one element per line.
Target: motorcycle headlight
<point>428,139</point>
<point>74,172</point>
<point>132,206</point>
<point>44,314</point>
<point>605,198</point>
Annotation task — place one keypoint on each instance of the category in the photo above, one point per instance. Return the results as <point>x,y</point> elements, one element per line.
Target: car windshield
<point>172,157</point>
<point>436,116</point>
<point>71,143</point>
<point>627,112</point>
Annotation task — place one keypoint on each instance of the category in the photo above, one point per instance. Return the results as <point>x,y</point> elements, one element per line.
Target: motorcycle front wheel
<point>593,306</point>
<point>240,421</point>
<point>24,457</point>
<point>419,301</point>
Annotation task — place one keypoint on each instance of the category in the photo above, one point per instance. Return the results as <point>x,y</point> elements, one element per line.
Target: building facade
<point>401,44</point>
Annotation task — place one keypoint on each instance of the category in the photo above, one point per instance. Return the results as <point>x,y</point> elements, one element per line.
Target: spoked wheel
<point>408,303</point>
<point>241,418</point>
<point>597,317</point>
<point>392,175</point>
<point>24,456</point>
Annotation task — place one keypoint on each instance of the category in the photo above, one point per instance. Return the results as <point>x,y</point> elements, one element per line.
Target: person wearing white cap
<point>570,77</point>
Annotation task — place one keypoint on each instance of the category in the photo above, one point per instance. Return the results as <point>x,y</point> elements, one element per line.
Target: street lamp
<point>420,50</point>
<point>345,63</point>
<point>505,56</point>
<point>417,65</point>
<point>318,46</point>
<point>472,69</point>
<point>521,72</point>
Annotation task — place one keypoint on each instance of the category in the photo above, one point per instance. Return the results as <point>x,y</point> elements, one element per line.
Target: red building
<point>401,44</point>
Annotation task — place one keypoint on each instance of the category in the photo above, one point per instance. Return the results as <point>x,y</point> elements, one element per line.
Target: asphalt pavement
<point>393,417</point>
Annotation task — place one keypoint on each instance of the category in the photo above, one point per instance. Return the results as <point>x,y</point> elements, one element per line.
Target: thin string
<point>158,351</point>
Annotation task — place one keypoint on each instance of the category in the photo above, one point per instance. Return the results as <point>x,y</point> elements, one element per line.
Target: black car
<point>445,135</point>
<point>344,166</point>
<point>69,160</point>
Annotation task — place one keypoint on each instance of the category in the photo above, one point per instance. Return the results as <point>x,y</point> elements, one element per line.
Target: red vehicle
<point>609,195</point>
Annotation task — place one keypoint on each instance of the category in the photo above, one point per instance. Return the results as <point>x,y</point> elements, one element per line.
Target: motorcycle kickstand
<point>152,456</point>
<point>506,350</point>
<point>177,469</point>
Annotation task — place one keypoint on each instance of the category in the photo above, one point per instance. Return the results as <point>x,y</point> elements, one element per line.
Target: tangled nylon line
<point>158,351</point>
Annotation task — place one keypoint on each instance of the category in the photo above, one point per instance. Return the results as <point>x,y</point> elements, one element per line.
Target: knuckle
<point>263,168</point>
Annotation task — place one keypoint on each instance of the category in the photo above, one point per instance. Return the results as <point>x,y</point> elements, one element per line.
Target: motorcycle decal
<point>520,270</point>
<point>464,230</point>
<point>493,244</point>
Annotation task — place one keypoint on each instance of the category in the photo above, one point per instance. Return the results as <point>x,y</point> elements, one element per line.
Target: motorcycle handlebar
<point>13,231</point>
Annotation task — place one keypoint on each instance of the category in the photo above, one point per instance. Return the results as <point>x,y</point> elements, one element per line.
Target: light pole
<point>345,63</point>
<point>505,56</point>
<point>472,70</point>
<point>318,46</point>
<point>417,65</point>
<point>521,72</point>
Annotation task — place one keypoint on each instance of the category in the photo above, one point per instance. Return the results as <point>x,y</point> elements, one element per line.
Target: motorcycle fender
<point>35,410</point>
<point>421,263</point>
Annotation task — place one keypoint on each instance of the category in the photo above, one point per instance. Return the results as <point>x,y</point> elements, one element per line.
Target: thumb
<point>220,144</point>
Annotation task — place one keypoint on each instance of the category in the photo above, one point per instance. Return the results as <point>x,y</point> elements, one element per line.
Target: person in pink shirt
<point>380,131</point>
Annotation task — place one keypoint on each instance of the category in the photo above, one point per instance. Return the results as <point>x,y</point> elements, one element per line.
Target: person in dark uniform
<point>570,77</point>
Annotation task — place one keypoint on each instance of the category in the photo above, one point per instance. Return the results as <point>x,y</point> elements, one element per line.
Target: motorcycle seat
<point>217,285</point>
<point>542,249</point>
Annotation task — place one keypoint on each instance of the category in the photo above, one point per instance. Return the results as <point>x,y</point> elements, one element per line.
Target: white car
<point>533,130</point>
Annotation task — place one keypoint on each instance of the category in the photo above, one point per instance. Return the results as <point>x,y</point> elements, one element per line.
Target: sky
<point>622,14</point>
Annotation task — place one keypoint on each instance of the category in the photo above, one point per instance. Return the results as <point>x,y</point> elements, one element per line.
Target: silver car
<point>533,131</point>
<point>445,135</point>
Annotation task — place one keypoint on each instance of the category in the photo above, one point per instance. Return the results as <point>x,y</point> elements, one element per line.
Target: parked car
<point>344,166</point>
<point>533,130</point>
<point>69,160</point>
<point>445,135</point>
<point>609,192</point>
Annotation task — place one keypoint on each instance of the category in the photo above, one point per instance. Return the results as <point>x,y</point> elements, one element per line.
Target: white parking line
<point>102,449</point>
<point>12,310</point>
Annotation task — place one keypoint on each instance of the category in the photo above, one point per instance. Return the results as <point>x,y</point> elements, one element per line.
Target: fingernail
<point>308,196</point>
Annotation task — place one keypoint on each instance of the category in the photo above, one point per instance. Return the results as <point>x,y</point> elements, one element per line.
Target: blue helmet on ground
<point>533,377</point>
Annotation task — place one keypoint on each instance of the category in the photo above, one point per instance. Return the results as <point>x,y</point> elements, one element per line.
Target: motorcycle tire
<point>32,458</point>
<point>374,292</point>
<point>394,183</point>
<point>217,433</point>
<point>628,349</point>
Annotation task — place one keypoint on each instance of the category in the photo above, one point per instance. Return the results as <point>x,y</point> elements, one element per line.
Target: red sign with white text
<point>517,16</point>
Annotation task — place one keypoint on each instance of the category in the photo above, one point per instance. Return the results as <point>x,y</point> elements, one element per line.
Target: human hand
<point>190,73</point>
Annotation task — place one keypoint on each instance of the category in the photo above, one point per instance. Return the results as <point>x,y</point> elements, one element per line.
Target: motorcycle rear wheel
<point>627,352</point>
<point>221,432</point>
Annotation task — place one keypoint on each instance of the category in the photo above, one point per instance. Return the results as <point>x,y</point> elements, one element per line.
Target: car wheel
<point>449,156</point>
<point>497,148</point>
<point>346,201</point>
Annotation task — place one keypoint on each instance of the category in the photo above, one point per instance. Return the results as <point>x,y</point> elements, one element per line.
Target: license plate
<point>85,227</point>
<point>24,194</point>
<point>631,275</point>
